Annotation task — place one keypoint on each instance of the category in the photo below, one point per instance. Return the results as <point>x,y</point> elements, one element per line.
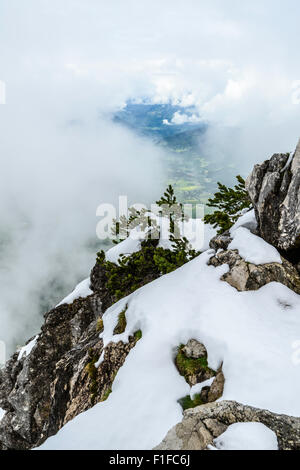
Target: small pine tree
<point>230,202</point>
<point>168,198</point>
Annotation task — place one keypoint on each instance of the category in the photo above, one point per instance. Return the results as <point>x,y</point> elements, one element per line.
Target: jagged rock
<point>201,425</point>
<point>58,380</point>
<point>274,189</point>
<point>246,276</point>
<point>217,387</point>
<point>221,242</point>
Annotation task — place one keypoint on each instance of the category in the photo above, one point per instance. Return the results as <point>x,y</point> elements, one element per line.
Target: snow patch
<point>26,350</point>
<point>2,413</point>
<point>247,436</point>
<point>81,290</point>
<point>248,220</point>
<point>253,248</point>
<point>195,389</point>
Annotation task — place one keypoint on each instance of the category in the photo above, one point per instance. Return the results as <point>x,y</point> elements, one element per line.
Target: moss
<point>122,323</point>
<point>99,325</point>
<point>188,366</point>
<point>188,402</point>
<point>138,335</point>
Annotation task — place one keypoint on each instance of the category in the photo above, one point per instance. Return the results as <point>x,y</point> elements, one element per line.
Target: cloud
<point>68,65</point>
<point>183,118</point>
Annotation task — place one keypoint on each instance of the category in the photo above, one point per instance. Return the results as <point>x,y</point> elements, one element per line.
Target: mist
<point>57,165</point>
<point>68,66</point>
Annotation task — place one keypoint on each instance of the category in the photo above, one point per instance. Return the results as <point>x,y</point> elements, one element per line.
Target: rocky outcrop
<point>191,362</point>
<point>201,425</point>
<point>274,189</point>
<point>246,276</point>
<point>58,380</point>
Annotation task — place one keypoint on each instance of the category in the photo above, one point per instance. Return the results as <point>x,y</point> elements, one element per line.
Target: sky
<point>68,64</point>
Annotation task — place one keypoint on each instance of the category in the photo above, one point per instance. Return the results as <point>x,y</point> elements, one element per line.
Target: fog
<point>68,65</point>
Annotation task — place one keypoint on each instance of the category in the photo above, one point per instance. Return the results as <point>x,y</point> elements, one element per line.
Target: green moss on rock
<point>138,335</point>
<point>187,402</point>
<point>122,322</point>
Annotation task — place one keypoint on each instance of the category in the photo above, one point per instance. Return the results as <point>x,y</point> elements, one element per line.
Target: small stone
<point>194,350</point>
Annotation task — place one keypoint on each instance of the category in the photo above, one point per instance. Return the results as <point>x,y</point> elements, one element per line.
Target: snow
<point>253,248</point>
<point>125,247</point>
<point>247,436</point>
<point>26,350</point>
<point>132,244</point>
<point>247,220</point>
<point>251,333</point>
<point>2,413</point>
<point>289,161</point>
<point>198,234</point>
<point>81,290</point>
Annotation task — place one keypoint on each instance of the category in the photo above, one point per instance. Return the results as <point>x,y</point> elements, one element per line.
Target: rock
<point>274,189</point>
<point>191,362</point>
<point>246,276</point>
<point>217,387</point>
<point>193,349</point>
<point>221,242</point>
<point>98,284</point>
<point>201,425</point>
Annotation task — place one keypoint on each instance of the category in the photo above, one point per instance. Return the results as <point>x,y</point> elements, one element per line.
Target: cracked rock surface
<point>246,276</point>
<point>274,189</point>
